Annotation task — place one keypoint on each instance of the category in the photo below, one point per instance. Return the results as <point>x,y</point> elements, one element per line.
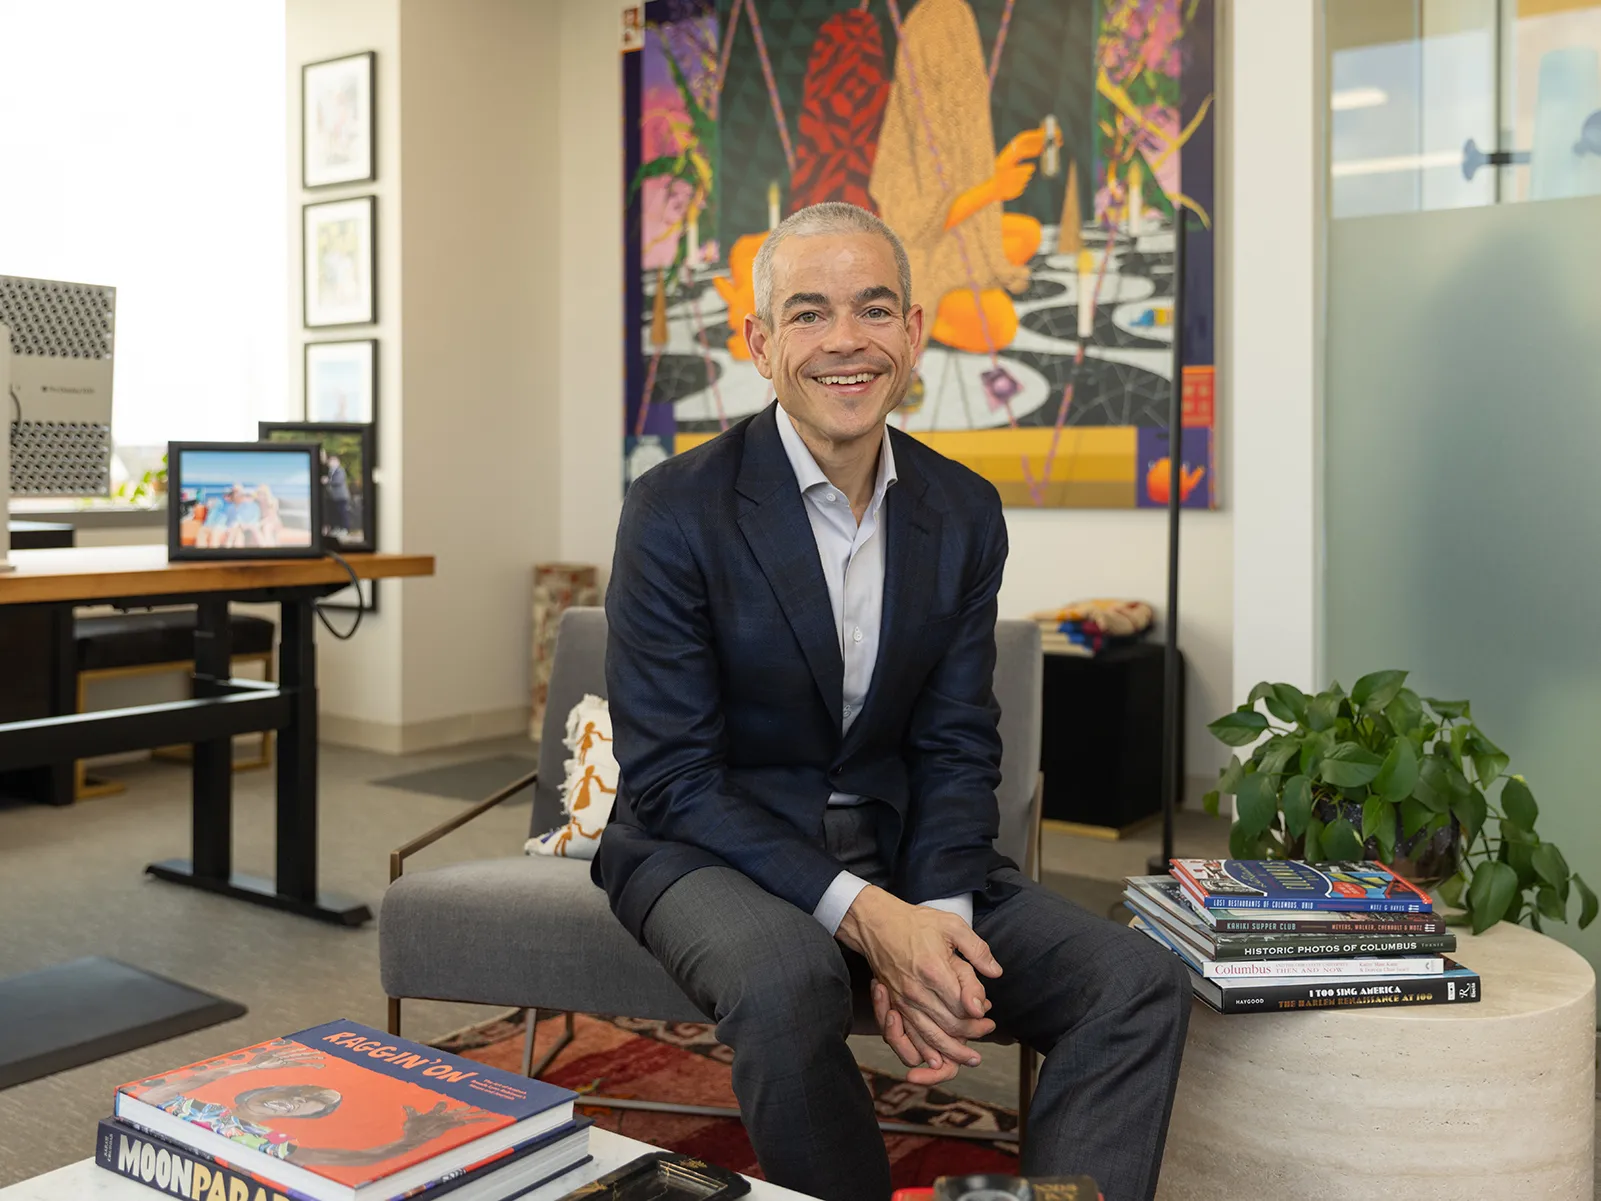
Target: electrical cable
<point>361,605</point>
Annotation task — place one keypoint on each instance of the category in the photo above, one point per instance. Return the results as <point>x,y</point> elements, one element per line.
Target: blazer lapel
<point>780,535</point>
<point>911,531</point>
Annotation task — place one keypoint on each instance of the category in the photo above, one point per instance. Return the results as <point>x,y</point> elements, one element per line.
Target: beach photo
<point>244,499</point>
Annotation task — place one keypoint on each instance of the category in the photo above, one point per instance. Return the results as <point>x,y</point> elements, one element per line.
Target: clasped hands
<point>927,995</point>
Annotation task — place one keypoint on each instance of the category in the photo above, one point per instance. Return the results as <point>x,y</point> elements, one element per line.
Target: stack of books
<point>1263,936</point>
<point>341,1112</point>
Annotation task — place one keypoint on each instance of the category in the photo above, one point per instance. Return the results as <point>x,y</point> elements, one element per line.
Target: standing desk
<point>54,581</point>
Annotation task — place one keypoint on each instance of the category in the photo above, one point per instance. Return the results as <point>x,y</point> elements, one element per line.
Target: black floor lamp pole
<point>1175,499</point>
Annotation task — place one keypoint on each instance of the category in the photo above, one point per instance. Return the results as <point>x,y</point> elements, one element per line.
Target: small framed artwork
<point>243,500</point>
<point>352,599</point>
<point>342,381</point>
<point>344,474</point>
<point>340,284</point>
<point>336,121</point>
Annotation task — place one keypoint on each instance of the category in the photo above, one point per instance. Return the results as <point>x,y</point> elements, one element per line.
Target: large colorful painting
<point>1031,154</point>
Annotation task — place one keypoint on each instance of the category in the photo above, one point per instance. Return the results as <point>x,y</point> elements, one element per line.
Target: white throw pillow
<point>590,787</point>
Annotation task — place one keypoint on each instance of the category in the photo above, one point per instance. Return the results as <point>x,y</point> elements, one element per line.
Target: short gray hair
<point>830,217</point>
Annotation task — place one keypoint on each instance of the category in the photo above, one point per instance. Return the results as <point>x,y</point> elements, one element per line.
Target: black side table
<point>1101,749</point>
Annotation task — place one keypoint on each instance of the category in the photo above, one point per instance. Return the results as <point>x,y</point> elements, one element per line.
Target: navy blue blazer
<point>725,678</point>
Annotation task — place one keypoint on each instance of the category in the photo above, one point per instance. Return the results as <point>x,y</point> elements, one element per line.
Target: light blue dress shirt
<point>852,556</point>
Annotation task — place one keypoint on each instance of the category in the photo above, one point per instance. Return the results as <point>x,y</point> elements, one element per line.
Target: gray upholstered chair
<point>534,932</point>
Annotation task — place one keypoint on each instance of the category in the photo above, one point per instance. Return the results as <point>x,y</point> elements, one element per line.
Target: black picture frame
<point>321,433</point>
<point>359,316</point>
<point>179,508</point>
<point>307,351</point>
<point>369,61</point>
<point>342,599</point>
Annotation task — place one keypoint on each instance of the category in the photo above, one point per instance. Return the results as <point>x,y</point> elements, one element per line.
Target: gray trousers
<point>1104,1005</point>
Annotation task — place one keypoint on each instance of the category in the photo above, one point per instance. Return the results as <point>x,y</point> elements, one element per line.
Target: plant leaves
<point>1450,890</point>
<point>1229,778</point>
<point>1587,902</point>
<point>1321,711</point>
<point>1489,761</point>
<point>1550,903</point>
<point>1312,748</point>
<point>1414,816</point>
<point>1470,812</point>
<point>1278,708</point>
<point>1278,752</point>
<point>1312,848</point>
<point>1405,712</point>
<point>1296,802</point>
<point>1399,774</point>
<point>1209,802</point>
<point>1517,851</point>
<point>1261,690</point>
<point>1293,700</point>
<point>1448,709</point>
<point>1341,843</point>
<point>1434,786</point>
<point>1349,765</point>
<point>1493,887</point>
<point>1240,728</point>
<point>1518,802</point>
<point>1378,821</point>
<point>1242,843</point>
<point>1551,867</point>
<point>1256,803</point>
<point>1376,690</point>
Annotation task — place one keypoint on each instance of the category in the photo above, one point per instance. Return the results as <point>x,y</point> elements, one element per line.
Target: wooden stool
<point>1493,1099</point>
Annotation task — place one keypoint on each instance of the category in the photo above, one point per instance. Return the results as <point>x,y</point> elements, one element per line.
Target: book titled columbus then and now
<point>341,1112</point>
<point>1268,936</point>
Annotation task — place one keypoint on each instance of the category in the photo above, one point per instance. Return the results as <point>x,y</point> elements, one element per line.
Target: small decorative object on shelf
<point>1383,773</point>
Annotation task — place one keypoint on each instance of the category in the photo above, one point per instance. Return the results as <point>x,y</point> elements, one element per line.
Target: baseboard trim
<point>406,739</point>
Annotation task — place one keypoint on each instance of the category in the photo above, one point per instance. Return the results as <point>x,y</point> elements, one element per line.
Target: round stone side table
<point>1493,1099</point>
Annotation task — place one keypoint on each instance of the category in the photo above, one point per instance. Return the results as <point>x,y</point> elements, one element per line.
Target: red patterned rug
<point>683,1062</point>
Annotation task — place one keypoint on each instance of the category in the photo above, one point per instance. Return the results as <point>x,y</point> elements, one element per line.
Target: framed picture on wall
<point>342,381</point>
<point>340,283</point>
<point>345,471</point>
<point>336,121</point>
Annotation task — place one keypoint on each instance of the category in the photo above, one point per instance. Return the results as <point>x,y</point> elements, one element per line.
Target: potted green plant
<point>1385,774</point>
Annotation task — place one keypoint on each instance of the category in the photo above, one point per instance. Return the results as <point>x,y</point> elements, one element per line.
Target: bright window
<point>144,147</point>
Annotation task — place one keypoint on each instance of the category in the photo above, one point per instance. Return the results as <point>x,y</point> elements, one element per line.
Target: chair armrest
<point>398,856</point>
<point>1036,808</point>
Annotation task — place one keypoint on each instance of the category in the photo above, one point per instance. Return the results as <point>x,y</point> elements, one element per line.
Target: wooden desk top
<point>92,573</point>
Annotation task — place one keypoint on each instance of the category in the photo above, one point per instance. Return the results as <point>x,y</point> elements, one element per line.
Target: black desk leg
<point>58,781</point>
<point>213,761</point>
<point>296,887</point>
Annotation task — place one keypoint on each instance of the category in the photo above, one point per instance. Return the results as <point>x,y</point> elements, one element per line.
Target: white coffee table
<point>83,1181</point>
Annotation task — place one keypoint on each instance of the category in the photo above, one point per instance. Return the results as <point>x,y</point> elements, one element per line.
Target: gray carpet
<point>472,780</point>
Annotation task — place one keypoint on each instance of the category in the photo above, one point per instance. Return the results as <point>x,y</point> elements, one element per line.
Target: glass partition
<point>1462,486</point>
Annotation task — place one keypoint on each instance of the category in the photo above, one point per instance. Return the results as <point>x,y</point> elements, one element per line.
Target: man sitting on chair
<point>800,659</point>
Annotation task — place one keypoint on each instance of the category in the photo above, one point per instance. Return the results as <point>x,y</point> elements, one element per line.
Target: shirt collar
<point>809,475</point>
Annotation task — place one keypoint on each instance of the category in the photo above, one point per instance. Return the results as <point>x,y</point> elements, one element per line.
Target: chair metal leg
<point>1027,1067</point>
<point>394,1016</point>
<point>535,1070</point>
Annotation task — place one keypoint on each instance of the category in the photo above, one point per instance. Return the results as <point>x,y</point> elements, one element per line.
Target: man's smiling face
<point>840,342</point>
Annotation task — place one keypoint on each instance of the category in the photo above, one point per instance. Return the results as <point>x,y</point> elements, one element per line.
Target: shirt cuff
<point>961,905</point>
<point>837,900</point>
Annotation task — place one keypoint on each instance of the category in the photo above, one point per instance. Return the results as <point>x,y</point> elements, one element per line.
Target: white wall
<point>359,680</point>
<point>467,328</point>
<point>1273,329</point>
<point>1057,556</point>
<point>480,311</point>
